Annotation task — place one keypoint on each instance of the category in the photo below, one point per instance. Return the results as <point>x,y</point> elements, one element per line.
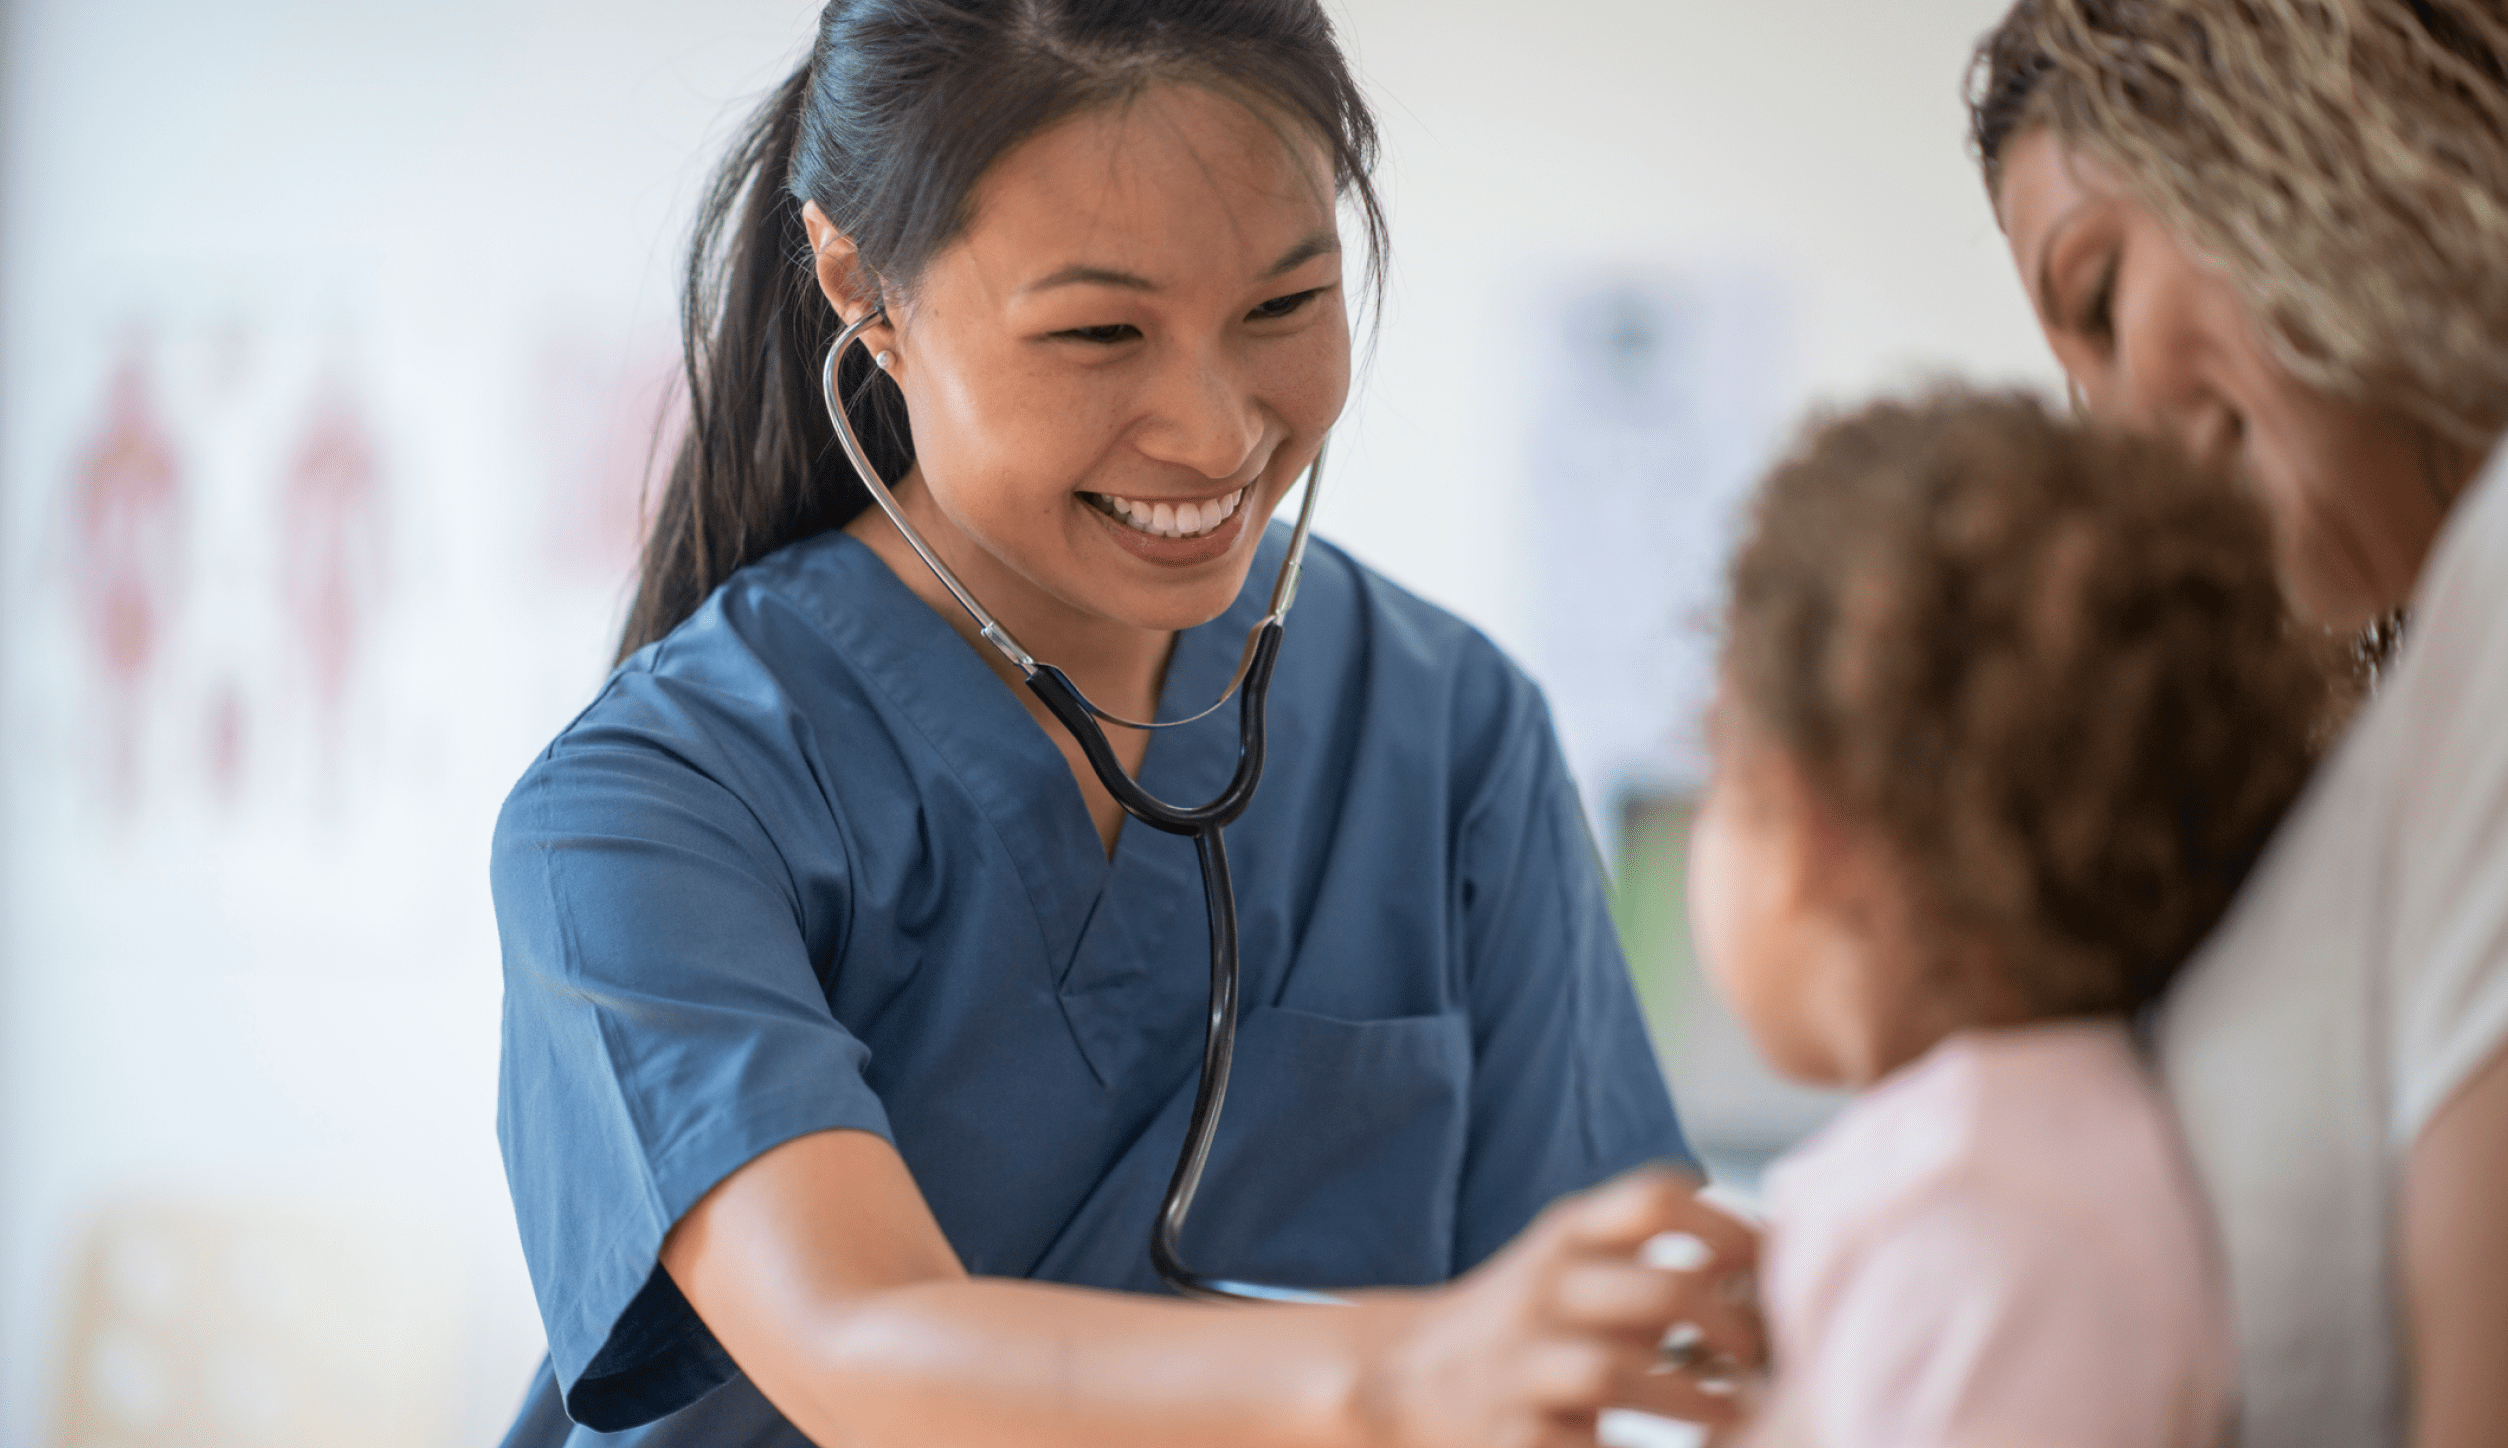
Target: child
<point>2008,706</point>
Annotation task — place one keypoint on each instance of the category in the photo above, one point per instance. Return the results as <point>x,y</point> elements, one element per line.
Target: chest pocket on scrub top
<point>1340,1152</point>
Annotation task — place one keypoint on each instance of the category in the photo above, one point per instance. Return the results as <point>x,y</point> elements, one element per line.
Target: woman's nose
<point>2214,432</point>
<point>2165,380</point>
<point>1205,418</point>
<point>2210,428</point>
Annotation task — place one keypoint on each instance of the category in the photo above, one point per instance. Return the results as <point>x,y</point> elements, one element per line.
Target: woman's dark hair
<point>903,106</point>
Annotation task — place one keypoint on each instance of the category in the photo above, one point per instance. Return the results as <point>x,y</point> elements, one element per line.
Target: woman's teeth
<point>1169,520</point>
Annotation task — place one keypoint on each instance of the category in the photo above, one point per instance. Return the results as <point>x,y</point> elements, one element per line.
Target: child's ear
<point>1800,831</point>
<point>1842,870</point>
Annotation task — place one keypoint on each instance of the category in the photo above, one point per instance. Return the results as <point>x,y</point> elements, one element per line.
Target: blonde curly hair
<point>2345,162</point>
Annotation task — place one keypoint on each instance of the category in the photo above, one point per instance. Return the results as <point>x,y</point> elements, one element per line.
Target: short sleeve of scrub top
<point>808,865</point>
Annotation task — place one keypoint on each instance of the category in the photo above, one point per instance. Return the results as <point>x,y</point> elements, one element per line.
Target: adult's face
<point>2156,339</point>
<point>1129,355</point>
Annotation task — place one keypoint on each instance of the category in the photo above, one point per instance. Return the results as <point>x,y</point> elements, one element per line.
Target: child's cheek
<point>1719,898</point>
<point>1740,930</point>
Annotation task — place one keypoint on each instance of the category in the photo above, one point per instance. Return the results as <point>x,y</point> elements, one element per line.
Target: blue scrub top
<point>807,864</point>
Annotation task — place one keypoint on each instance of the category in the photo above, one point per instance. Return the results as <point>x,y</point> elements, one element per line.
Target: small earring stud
<point>881,361</point>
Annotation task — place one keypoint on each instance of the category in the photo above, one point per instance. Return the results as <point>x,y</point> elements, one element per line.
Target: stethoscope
<point>1203,823</point>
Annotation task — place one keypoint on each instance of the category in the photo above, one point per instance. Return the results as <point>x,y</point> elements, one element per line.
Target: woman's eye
<point>2098,314</point>
<point>1105,336</point>
<point>1278,307</point>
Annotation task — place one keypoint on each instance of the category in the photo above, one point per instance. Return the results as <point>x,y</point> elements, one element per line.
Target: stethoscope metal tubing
<point>1204,824</point>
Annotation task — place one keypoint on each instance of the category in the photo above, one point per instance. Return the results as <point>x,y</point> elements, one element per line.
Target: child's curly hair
<point>2047,663</point>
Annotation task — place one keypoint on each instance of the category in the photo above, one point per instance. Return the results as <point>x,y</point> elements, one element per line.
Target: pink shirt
<point>2000,1244</point>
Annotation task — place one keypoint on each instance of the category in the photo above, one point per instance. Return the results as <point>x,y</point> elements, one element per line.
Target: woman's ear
<point>848,285</point>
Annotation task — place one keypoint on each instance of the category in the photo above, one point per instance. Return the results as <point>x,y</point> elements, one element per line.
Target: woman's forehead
<point>2042,181</point>
<point>1176,187</point>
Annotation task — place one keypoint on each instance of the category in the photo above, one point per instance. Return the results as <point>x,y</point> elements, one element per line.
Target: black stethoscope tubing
<point>1203,824</point>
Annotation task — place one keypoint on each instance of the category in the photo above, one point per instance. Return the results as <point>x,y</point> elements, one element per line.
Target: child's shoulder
<point>2010,1208</point>
<point>2061,1115</point>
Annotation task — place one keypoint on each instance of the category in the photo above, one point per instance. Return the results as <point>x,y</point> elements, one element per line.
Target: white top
<point>2000,1245</point>
<point>2360,978</point>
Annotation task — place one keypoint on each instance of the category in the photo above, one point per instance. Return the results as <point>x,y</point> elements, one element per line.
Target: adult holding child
<point>2277,232</point>
<point>851,1036</point>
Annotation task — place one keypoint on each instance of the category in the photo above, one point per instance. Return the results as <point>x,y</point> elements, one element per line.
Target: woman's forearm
<point>818,1267</point>
<point>874,1335</point>
<point>992,1362</point>
<point>2455,1251</point>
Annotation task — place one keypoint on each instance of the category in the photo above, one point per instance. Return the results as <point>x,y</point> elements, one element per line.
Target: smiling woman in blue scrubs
<point>849,1038</point>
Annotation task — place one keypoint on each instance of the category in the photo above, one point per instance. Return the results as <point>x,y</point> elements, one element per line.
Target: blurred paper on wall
<point>1660,399</point>
<point>1656,396</point>
<point>212,571</point>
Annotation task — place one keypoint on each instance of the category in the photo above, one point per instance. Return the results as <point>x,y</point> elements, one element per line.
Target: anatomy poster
<point>215,561</point>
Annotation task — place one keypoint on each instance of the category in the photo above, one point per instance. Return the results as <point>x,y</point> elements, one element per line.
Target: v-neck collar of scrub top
<point>1018,776</point>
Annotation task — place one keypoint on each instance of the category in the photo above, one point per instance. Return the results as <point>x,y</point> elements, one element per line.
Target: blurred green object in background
<point>1738,1113</point>
<point>1650,902</point>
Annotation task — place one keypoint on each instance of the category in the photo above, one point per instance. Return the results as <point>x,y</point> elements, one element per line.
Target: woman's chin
<point>1187,581</point>
<point>2331,594</point>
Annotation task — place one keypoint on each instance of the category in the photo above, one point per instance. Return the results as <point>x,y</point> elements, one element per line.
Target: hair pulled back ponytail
<point>902,108</point>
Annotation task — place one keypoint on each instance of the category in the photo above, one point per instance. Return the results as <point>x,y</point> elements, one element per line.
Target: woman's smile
<point>1179,531</point>
<point>1187,518</point>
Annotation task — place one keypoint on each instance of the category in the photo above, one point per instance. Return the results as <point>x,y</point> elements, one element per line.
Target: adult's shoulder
<point>1416,655</point>
<point>1950,1249</point>
<point>725,698</point>
<point>786,622</point>
<point>2360,976</point>
<point>2447,965</point>
<point>783,613</point>
<point>2021,1115</point>
<point>2381,907</point>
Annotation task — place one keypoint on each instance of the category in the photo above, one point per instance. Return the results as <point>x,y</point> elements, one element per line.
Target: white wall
<point>1823,142</point>
<point>245,946</point>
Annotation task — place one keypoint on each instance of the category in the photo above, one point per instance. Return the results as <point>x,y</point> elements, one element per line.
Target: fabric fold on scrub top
<point>807,865</point>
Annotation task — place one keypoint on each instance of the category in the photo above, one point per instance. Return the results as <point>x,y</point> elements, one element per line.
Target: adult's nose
<point>1204,417</point>
<point>2172,404</point>
<point>2214,432</point>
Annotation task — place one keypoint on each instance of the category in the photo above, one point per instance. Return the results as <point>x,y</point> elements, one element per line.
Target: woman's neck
<point>1118,666</point>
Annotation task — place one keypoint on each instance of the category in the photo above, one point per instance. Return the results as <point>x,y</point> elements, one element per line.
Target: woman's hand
<point>1568,1320</point>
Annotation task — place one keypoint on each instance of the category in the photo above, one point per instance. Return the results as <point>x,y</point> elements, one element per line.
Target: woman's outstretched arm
<point>2455,1239</point>
<point>821,1271</point>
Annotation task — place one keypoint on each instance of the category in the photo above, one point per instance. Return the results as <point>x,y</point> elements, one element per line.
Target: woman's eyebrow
<point>1321,243</point>
<point>1095,276</point>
